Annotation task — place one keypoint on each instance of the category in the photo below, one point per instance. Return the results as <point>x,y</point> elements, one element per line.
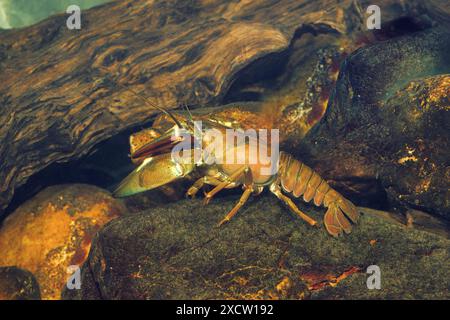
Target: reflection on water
<point>22,13</point>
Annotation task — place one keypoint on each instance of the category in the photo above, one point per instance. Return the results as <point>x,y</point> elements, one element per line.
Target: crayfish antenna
<point>145,100</point>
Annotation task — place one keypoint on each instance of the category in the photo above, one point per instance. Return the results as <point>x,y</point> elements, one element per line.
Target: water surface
<point>22,13</point>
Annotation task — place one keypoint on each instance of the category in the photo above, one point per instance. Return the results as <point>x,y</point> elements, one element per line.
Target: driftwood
<point>56,103</point>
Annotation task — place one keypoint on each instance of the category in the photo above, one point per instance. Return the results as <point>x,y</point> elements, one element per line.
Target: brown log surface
<point>56,103</point>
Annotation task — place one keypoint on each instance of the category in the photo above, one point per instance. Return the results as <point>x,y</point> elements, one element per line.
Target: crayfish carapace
<point>152,152</point>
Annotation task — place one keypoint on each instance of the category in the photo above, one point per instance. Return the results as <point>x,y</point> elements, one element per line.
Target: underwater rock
<point>178,252</point>
<point>386,123</point>
<point>416,172</point>
<point>18,284</point>
<point>54,230</point>
<point>439,10</point>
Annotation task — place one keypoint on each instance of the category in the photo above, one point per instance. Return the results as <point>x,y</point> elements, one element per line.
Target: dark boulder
<point>18,284</point>
<point>416,170</point>
<point>177,252</point>
<point>387,123</point>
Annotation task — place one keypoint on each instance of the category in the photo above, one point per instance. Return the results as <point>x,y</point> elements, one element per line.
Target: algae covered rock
<point>18,284</point>
<point>178,252</point>
<point>416,172</point>
<point>386,125</point>
<point>53,231</point>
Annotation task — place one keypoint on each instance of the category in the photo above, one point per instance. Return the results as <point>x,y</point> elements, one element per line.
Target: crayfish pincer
<point>187,144</point>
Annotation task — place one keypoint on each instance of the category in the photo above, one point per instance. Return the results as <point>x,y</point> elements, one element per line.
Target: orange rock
<point>54,230</point>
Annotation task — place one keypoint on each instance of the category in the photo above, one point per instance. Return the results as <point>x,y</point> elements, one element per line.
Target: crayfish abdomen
<point>298,179</point>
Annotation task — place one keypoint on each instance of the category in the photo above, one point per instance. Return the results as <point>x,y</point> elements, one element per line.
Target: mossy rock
<point>178,252</point>
<point>18,284</point>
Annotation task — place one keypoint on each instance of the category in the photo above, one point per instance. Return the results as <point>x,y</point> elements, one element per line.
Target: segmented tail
<point>299,179</point>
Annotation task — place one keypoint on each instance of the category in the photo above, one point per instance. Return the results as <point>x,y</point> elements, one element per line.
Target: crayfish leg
<point>232,179</point>
<point>241,202</point>
<point>288,201</point>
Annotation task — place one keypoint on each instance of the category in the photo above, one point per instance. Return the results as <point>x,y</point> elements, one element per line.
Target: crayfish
<point>153,149</point>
